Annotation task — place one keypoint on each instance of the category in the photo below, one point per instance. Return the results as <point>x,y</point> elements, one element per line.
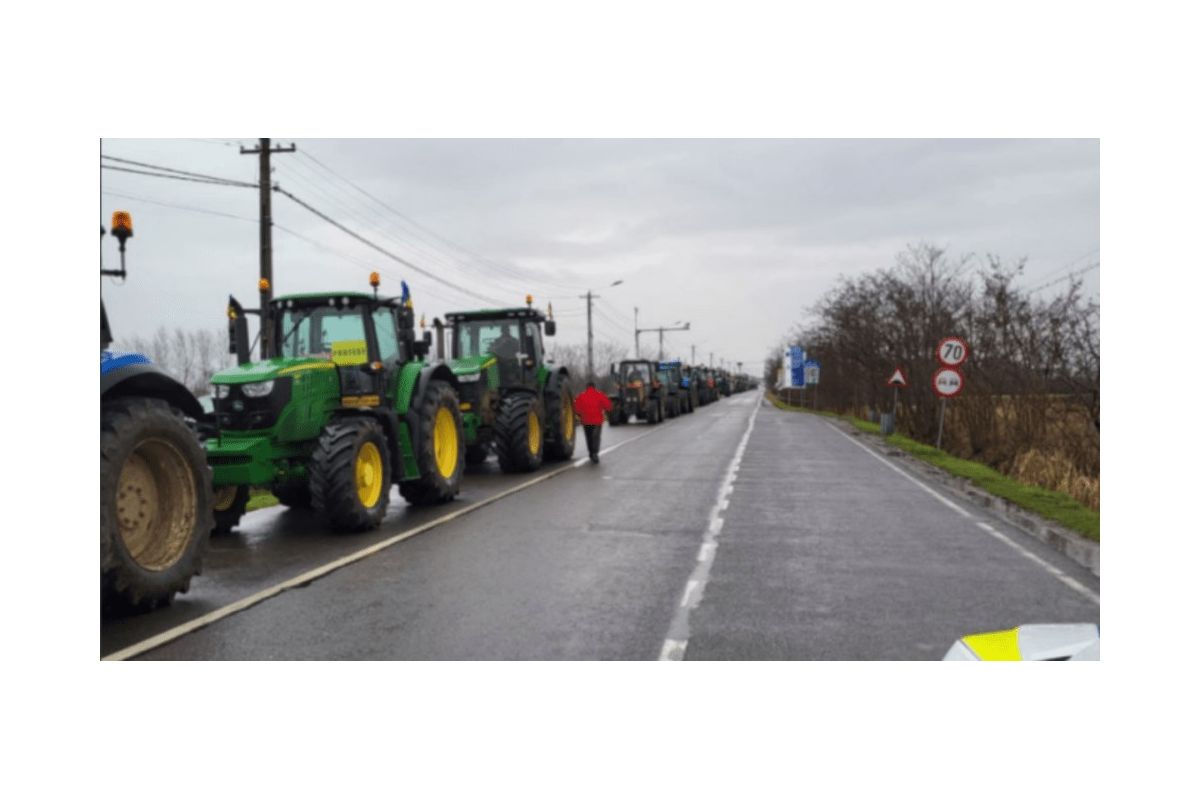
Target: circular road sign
<point>947,382</point>
<point>952,351</point>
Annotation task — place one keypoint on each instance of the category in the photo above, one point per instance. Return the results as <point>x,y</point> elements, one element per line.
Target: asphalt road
<point>737,532</point>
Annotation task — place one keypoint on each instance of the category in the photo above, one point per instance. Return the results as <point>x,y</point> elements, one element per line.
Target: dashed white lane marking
<point>1053,570</point>
<point>675,645</point>
<point>179,631</point>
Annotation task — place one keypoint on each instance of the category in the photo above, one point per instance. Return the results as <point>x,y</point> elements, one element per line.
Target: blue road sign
<point>797,366</point>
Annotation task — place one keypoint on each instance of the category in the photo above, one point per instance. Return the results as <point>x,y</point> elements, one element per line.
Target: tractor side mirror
<point>422,346</point>
<point>551,327</point>
<point>239,332</point>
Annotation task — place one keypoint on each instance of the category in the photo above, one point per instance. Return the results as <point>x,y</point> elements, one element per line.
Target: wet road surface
<point>739,531</point>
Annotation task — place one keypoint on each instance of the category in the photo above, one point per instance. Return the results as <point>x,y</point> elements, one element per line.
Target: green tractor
<point>514,401</point>
<point>344,406</point>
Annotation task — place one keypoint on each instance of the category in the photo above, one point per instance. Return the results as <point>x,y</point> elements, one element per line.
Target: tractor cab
<point>512,337</point>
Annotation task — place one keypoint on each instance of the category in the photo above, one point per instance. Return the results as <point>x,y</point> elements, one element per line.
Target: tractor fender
<point>128,374</point>
<point>430,372</point>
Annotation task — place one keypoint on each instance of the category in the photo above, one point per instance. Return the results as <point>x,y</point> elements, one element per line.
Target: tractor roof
<point>323,296</point>
<point>496,313</point>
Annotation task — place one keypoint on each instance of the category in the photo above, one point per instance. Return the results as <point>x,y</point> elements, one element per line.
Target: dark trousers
<point>592,432</point>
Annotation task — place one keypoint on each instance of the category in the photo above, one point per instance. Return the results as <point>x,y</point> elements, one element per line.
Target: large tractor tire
<point>560,421</point>
<point>294,494</point>
<point>617,416</point>
<point>155,504</point>
<point>653,412</point>
<point>350,475</point>
<point>440,447</point>
<point>229,504</point>
<point>519,439</point>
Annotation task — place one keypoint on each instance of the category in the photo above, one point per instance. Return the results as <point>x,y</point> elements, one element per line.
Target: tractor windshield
<point>636,372</point>
<point>313,331</point>
<point>501,338</point>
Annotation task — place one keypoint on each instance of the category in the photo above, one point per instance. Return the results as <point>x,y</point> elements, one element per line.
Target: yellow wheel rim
<point>156,504</point>
<point>568,418</point>
<point>368,474</point>
<point>445,442</point>
<point>535,433</point>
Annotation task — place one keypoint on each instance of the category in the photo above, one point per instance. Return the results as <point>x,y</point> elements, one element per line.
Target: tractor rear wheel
<point>519,439</point>
<point>560,421</point>
<point>653,412</point>
<point>350,474</point>
<point>439,447</point>
<point>229,504</point>
<point>155,504</point>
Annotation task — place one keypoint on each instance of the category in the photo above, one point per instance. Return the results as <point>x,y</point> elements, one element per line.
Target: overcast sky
<point>737,237</point>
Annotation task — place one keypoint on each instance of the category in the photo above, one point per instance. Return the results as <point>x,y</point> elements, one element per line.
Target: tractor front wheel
<point>519,438</point>
<point>350,475</point>
<point>155,504</point>
<point>440,449</point>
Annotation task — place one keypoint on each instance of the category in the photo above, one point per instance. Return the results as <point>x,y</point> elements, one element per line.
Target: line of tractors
<point>347,401</point>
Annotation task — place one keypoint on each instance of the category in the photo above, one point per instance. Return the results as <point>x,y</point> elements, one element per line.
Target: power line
<point>511,272</point>
<point>1068,276</point>
<point>218,182</point>
<point>382,250</point>
<point>176,205</point>
<point>173,170</point>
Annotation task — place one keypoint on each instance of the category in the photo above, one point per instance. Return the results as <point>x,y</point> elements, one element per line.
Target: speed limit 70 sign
<point>952,351</point>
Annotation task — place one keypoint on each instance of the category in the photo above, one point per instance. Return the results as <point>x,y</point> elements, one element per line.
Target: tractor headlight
<point>220,390</point>
<point>474,376</point>
<point>260,389</point>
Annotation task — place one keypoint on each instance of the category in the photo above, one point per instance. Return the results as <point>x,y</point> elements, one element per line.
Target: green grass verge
<point>261,498</point>
<point>1055,506</point>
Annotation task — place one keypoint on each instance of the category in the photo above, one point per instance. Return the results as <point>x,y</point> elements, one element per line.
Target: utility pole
<point>265,278</point>
<point>693,361</point>
<point>589,297</point>
<point>710,355</point>
<point>591,370</point>
<point>636,334</point>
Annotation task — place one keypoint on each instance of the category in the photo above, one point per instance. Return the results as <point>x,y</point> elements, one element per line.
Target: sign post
<point>898,381</point>
<point>812,377</point>
<point>952,352</point>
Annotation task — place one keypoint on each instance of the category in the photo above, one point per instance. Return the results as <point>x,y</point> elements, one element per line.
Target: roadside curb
<point>1082,551</point>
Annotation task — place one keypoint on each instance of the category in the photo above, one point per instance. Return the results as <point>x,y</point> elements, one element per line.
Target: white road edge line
<point>675,645</point>
<point>1055,571</point>
<point>171,634</point>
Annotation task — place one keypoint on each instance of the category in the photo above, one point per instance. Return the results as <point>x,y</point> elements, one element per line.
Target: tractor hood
<point>470,365</point>
<point>268,370</point>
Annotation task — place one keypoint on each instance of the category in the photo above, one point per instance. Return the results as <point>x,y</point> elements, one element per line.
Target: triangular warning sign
<point>898,379</point>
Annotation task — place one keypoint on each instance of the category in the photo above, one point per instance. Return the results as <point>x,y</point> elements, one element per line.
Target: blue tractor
<point>155,484</point>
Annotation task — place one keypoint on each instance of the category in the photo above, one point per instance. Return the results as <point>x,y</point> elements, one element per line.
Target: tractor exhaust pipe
<point>440,327</point>
<point>239,331</point>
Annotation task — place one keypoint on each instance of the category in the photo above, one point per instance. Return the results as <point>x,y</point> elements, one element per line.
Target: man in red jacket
<point>590,405</point>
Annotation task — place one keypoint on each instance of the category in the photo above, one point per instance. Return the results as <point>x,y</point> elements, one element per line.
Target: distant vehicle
<point>639,393</point>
